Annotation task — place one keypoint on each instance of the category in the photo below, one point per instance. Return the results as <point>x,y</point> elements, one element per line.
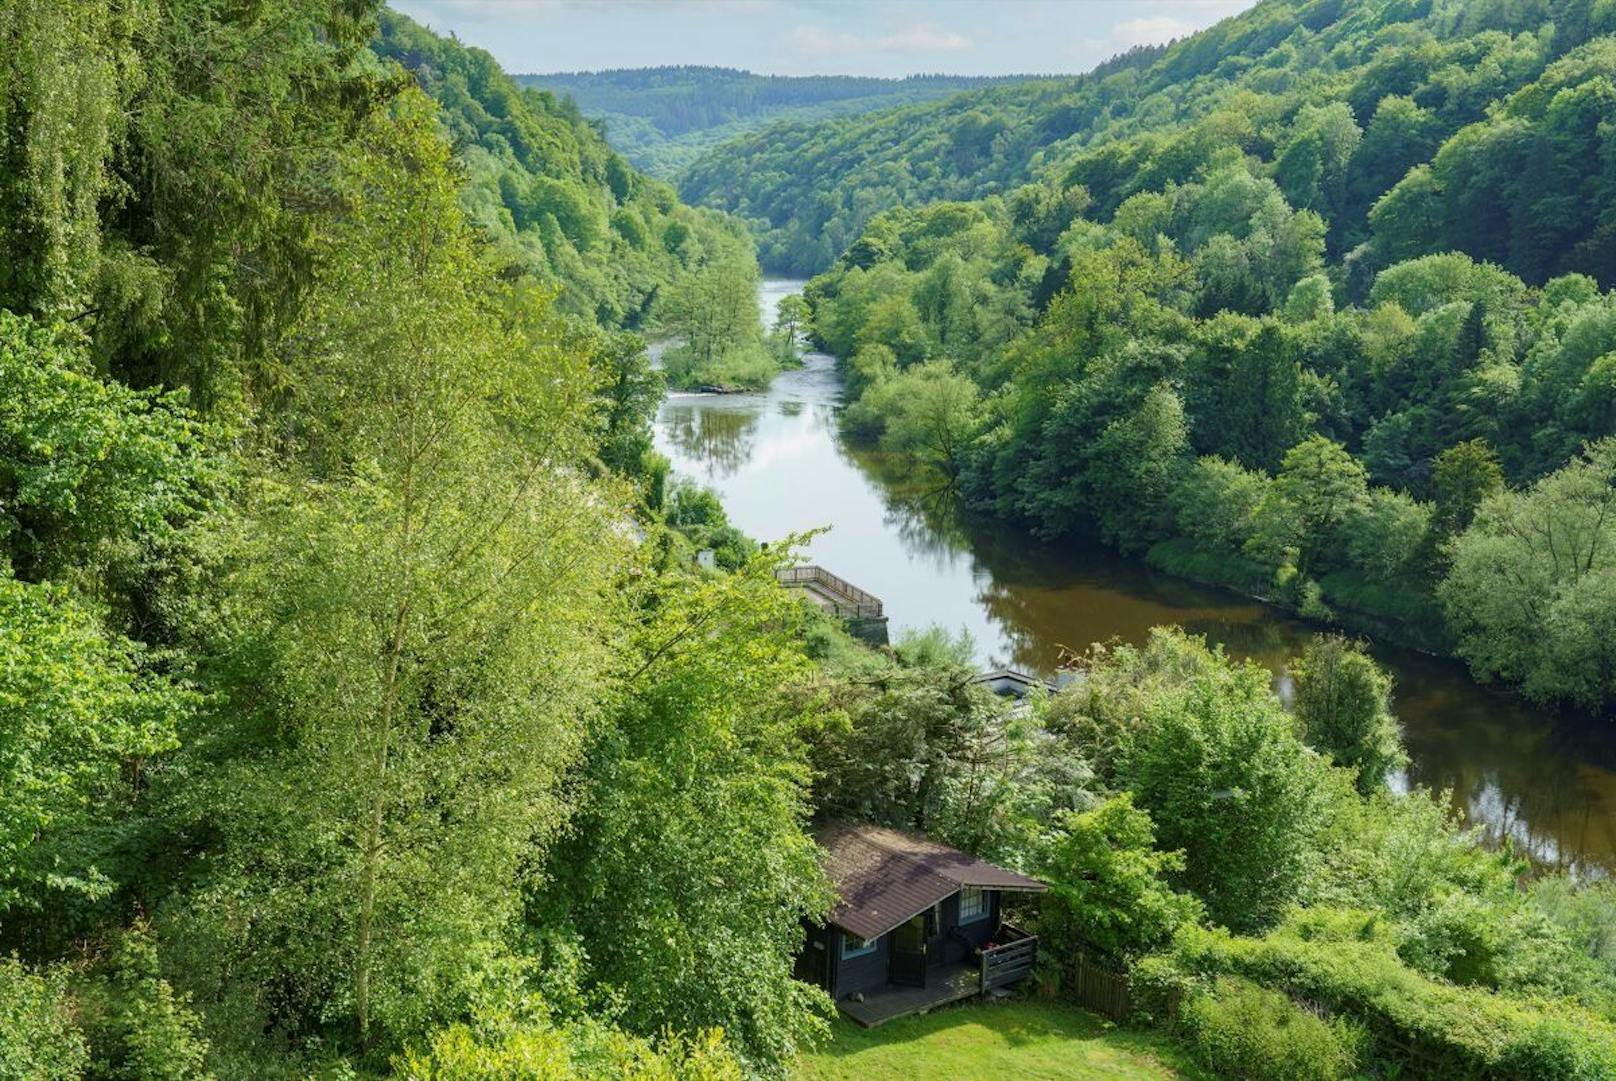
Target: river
<point>1546,781</point>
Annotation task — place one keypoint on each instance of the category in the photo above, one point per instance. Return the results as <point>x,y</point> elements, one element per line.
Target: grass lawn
<point>1031,1040</point>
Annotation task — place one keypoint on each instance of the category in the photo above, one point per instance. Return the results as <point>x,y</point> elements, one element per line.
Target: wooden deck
<point>944,984</point>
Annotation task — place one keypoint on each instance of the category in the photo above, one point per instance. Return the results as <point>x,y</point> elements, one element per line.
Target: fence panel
<point>1097,988</point>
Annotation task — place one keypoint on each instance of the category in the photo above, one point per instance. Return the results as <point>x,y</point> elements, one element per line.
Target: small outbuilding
<point>916,924</point>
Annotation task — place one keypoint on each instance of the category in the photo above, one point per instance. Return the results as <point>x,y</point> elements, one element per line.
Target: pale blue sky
<point>808,37</point>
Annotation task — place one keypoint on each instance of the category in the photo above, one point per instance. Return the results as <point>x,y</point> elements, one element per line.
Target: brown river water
<point>1546,781</point>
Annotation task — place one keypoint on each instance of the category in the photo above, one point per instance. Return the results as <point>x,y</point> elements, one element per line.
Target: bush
<point>38,1040</point>
<point>1430,1027</point>
<point>1246,1031</point>
<point>1182,557</point>
<point>587,1051</point>
<point>139,1028</point>
<point>1107,884</point>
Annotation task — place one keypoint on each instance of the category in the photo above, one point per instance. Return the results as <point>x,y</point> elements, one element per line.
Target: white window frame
<point>983,912</point>
<point>849,951</point>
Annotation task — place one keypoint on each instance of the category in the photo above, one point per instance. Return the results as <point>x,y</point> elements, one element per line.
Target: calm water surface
<point>775,457</point>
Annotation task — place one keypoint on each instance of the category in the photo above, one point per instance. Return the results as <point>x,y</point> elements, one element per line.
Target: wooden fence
<point>1101,989</point>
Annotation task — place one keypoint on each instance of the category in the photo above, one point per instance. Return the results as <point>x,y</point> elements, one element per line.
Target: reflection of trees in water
<point>721,439</point>
<point>1270,642</point>
<point>1520,776</point>
<point>920,506</point>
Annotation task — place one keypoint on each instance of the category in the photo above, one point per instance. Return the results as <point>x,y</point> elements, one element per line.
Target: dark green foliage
<point>1202,280</point>
<point>1343,706</point>
<point>1345,102</point>
<point>139,1029</point>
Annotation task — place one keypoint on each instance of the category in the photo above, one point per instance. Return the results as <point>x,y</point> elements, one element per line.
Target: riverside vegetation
<point>1277,307</point>
<point>363,715</point>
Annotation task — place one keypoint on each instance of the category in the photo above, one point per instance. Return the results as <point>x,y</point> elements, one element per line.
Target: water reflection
<point>722,439</point>
<point>1546,782</point>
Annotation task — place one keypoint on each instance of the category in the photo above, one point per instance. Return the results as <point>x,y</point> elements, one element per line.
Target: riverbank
<point>1545,782</point>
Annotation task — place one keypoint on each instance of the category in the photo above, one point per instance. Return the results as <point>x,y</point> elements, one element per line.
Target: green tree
<point>687,874</point>
<point>905,727</point>
<point>1532,592</point>
<point>1343,706</point>
<point>1261,416</point>
<point>1108,884</point>
<point>713,312</point>
<point>935,411</point>
<point>414,624</point>
<point>1319,487</point>
<point>1210,753</point>
<point>791,315</point>
<point>1215,503</point>
<point>1463,477</point>
<point>629,394</point>
<point>1132,468</point>
<point>80,712</point>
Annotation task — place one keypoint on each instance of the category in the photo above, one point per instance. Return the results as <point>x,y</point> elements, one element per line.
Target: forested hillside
<point>1330,324</point>
<point>365,711</point>
<point>555,199</point>
<point>326,625</point>
<point>1411,74</point>
<point>662,119</point>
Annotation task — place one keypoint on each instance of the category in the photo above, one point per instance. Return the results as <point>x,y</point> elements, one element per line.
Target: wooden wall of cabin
<point>853,974</point>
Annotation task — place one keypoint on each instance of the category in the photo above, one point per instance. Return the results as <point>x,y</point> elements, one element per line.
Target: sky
<point>817,37</point>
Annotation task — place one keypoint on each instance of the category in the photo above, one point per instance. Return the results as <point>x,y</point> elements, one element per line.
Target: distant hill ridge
<point>662,118</point>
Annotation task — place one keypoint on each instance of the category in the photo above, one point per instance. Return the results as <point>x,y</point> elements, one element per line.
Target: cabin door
<point>907,965</point>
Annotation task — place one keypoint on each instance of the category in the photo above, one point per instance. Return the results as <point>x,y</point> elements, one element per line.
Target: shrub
<point>1428,1026</point>
<point>38,1040</point>
<point>1107,883</point>
<point>139,1028</point>
<point>1246,1031</point>
<point>587,1051</point>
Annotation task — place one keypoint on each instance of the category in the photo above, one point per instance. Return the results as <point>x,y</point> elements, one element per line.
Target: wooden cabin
<point>916,924</point>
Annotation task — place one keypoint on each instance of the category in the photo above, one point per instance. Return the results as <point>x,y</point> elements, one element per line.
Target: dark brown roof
<point>885,876</point>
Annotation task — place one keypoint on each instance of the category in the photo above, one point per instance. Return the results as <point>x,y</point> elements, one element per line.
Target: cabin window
<point>973,905</point>
<point>853,946</point>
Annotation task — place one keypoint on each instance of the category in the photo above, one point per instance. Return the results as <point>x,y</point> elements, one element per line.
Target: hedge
<point>1436,1029</point>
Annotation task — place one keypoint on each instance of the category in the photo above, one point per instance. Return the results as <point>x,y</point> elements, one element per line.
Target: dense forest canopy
<point>1346,101</point>
<point>663,118</point>
<point>365,709</point>
<point>1328,320</point>
<point>556,199</point>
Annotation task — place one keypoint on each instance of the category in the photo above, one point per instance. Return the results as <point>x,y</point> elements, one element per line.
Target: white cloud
<point>924,37</point>
<point>1150,30</point>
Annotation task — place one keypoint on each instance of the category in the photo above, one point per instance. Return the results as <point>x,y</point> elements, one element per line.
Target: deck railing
<point>1011,959</point>
<point>848,598</point>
